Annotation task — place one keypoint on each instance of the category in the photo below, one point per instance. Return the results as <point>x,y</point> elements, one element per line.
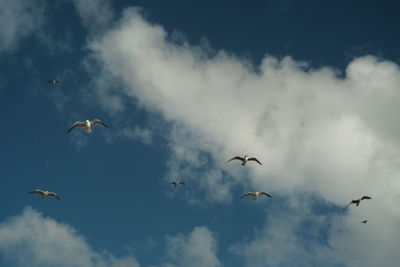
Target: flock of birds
<point>88,129</point>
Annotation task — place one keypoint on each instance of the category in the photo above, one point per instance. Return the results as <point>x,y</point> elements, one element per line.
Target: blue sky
<point>310,89</point>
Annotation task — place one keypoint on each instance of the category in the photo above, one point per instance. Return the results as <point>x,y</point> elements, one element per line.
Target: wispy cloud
<point>19,18</point>
<point>96,15</point>
<point>137,133</point>
<point>30,239</point>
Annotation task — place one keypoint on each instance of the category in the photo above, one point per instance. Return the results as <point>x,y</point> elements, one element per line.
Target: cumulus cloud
<point>19,18</point>
<point>317,131</point>
<point>197,249</point>
<point>30,239</point>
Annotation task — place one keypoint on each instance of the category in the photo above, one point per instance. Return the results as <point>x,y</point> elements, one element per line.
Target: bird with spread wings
<point>358,201</point>
<point>176,183</point>
<point>87,125</point>
<point>45,194</point>
<point>255,195</point>
<point>245,159</point>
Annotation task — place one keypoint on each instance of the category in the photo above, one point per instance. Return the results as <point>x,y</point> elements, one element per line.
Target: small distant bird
<point>357,201</point>
<point>54,81</point>
<point>364,222</point>
<point>245,159</point>
<point>45,193</point>
<point>87,124</point>
<point>255,194</point>
<point>176,183</point>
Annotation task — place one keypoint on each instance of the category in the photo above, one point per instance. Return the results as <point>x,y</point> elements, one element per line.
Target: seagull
<point>255,194</point>
<point>176,183</point>
<point>357,201</point>
<point>364,222</point>
<point>245,159</point>
<point>45,193</point>
<point>87,124</point>
<point>54,81</point>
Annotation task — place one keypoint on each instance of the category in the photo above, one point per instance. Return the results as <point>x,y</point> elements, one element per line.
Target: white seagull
<point>87,124</point>
<point>54,81</point>
<point>245,159</point>
<point>45,193</point>
<point>357,201</point>
<point>176,183</point>
<point>255,194</point>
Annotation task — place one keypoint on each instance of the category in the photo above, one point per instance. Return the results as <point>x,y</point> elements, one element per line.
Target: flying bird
<point>364,222</point>
<point>176,183</point>
<point>45,194</point>
<point>245,159</point>
<point>87,125</point>
<point>255,194</point>
<point>54,81</point>
<point>357,201</point>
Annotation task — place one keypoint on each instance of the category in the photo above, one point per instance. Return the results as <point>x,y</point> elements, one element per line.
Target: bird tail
<point>88,130</point>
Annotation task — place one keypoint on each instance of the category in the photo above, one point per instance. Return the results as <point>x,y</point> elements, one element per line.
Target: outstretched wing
<point>265,193</point>
<point>181,183</point>
<point>256,160</point>
<point>97,121</point>
<point>247,194</point>
<point>54,195</point>
<point>38,191</point>
<point>352,202</point>
<point>237,157</point>
<point>366,197</point>
<point>76,124</point>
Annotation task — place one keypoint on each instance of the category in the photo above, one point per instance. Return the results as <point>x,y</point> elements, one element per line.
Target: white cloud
<point>142,134</point>
<point>315,132</point>
<point>95,14</point>
<point>197,249</point>
<point>30,239</point>
<point>18,18</point>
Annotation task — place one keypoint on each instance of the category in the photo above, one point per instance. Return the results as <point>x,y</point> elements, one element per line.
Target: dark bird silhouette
<point>358,201</point>
<point>245,159</point>
<point>54,81</point>
<point>176,183</point>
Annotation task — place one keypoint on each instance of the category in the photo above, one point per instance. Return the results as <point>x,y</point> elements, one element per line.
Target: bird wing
<point>366,197</point>
<point>181,182</point>
<point>54,195</point>
<point>237,157</point>
<point>352,202</point>
<point>76,124</point>
<point>38,191</point>
<point>256,160</point>
<point>97,121</point>
<point>247,194</point>
<point>265,193</point>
